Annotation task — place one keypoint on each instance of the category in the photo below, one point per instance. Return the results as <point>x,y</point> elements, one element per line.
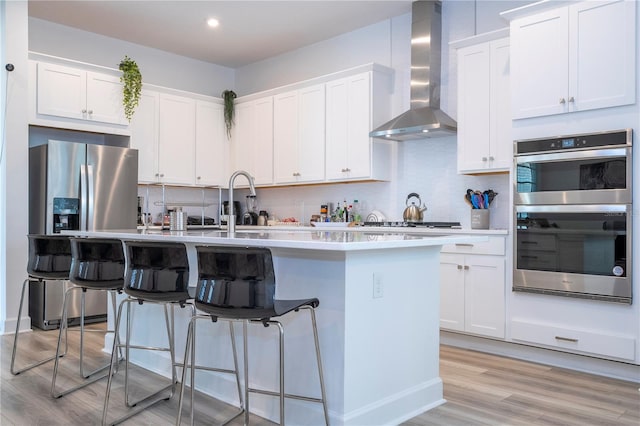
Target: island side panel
<point>391,335</point>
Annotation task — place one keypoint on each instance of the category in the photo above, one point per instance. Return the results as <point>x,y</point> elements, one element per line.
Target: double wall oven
<point>573,212</point>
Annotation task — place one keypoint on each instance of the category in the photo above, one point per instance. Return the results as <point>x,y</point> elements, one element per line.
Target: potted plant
<point>132,85</point>
<point>229,96</point>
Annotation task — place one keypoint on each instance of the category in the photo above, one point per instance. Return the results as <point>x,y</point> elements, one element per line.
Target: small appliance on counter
<point>250,217</point>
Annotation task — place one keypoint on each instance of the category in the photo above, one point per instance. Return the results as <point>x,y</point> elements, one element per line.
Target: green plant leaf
<point>131,80</point>
<point>229,97</point>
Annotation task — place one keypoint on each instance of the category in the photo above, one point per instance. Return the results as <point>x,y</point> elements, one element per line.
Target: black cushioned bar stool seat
<point>97,265</point>
<point>157,273</point>
<point>238,283</point>
<point>49,259</point>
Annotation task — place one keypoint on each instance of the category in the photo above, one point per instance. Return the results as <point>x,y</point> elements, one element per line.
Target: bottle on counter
<point>355,213</point>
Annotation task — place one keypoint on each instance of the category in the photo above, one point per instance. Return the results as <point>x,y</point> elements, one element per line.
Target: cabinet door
<point>285,138</point>
<point>500,142</point>
<point>602,47</point>
<point>104,99</point>
<point>61,91</point>
<point>144,136</point>
<point>177,139</point>
<point>348,122</point>
<point>252,142</point>
<point>452,294</point>
<point>263,141</point>
<point>485,295</point>
<point>539,64</point>
<point>311,134</point>
<point>210,144</point>
<point>474,116</point>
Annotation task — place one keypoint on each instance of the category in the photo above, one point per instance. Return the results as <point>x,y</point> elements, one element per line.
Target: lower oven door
<point>574,250</point>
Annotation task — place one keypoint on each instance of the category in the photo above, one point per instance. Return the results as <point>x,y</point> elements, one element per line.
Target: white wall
<point>156,66</point>
<point>13,173</point>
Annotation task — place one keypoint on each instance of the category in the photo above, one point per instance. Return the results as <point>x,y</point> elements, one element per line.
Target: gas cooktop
<point>415,224</point>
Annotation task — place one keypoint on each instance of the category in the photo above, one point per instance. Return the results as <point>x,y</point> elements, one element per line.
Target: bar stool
<point>97,265</point>
<point>157,273</point>
<point>49,259</point>
<point>238,283</point>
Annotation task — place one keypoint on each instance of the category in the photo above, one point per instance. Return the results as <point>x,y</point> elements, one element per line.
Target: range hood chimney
<point>424,119</point>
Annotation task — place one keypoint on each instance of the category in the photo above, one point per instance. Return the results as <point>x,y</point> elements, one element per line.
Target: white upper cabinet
<point>78,94</point>
<point>484,114</point>
<point>180,140</point>
<point>574,58</point>
<point>211,145</point>
<point>351,153</point>
<point>252,141</point>
<point>176,139</point>
<point>299,135</point>
<point>144,136</point>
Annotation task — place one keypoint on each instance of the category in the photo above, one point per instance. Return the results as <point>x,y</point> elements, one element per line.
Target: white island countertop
<point>308,239</point>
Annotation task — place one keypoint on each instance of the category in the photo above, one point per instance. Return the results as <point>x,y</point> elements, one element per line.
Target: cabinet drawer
<point>599,342</point>
<point>495,246</point>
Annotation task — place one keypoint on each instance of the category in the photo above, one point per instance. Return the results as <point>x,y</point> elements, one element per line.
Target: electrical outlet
<point>378,288</point>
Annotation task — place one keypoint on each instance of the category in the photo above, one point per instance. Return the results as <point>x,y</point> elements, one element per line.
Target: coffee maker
<point>250,217</point>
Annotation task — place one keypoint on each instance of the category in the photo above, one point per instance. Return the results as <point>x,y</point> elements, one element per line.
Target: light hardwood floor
<point>480,389</point>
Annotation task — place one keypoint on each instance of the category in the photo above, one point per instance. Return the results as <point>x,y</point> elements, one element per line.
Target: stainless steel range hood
<point>425,119</point>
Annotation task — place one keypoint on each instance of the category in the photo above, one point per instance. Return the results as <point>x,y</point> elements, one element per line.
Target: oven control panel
<point>575,142</point>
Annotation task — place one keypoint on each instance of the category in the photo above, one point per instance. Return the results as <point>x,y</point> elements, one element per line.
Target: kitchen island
<point>378,322</point>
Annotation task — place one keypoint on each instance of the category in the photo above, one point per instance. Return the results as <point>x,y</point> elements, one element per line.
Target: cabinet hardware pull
<point>466,267</point>
<point>528,242</point>
<point>199,177</point>
<point>566,339</point>
<point>459,267</point>
<point>464,245</point>
<point>563,101</point>
<point>90,111</point>
<point>571,99</point>
<point>161,174</point>
<point>528,257</point>
<point>484,158</point>
<point>84,111</point>
<point>491,158</point>
<point>347,169</point>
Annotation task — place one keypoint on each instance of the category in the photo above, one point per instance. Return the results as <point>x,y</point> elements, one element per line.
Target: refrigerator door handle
<point>90,197</point>
<point>83,197</point>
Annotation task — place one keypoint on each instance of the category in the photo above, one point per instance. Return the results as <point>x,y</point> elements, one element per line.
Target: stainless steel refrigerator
<point>77,186</point>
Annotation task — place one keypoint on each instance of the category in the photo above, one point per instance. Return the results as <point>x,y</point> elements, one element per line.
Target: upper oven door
<point>599,176</point>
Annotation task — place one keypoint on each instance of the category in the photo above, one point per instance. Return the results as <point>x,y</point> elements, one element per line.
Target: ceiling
<point>249,31</point>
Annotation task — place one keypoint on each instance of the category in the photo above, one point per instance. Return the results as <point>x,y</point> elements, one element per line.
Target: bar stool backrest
<point>97,263</point>
<point>49,257</point>
<point>157,271</point>
<point>235,282</point>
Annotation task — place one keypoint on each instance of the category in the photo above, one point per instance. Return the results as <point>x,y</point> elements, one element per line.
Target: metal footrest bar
<point>145,403</point>
<point>286,395</point>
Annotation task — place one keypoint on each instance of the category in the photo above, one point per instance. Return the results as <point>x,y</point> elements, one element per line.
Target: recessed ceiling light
<point>213,22</point>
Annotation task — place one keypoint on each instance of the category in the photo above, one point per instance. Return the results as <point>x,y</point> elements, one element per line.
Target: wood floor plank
<point>480,389</point>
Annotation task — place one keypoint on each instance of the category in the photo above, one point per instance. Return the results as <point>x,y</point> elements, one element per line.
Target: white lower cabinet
<point>581,326</point>
<point>472,289</point>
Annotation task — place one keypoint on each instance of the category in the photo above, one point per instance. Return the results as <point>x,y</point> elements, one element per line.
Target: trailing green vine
<point>132,85</point>
<point>229,97</point>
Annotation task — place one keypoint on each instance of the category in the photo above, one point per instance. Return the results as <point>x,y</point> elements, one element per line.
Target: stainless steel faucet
<point>231,219</point>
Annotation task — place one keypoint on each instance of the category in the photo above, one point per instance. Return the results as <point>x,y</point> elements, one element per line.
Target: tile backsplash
<point>426,167</point>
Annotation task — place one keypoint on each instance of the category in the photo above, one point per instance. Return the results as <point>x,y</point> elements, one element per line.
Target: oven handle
<point>575,208</point>
<point>573,155</point>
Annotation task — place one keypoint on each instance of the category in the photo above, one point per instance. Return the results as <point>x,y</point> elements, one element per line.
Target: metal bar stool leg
<point>15,371</point>
<point>312,313</point>
<point>89,379</point>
